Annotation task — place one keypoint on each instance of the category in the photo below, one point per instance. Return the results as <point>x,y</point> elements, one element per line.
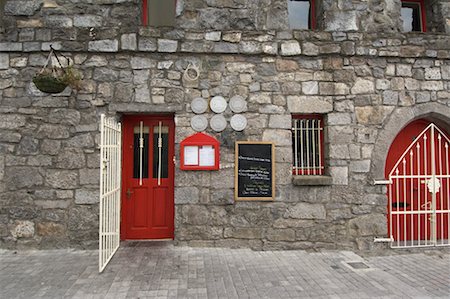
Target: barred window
<point>307,144</point>
<point>301,14</point>
<point>413,15</point>
<point>158,13</point>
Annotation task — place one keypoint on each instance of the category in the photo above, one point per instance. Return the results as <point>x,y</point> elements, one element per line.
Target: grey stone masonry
<point>357,70</point>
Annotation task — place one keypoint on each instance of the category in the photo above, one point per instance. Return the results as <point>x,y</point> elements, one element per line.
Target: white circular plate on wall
<point>199,123</point>
<point>238,122</point>
<point>218,104</point>
<point>238,104</point>
<point>199,105</point>
<point>218,123</point>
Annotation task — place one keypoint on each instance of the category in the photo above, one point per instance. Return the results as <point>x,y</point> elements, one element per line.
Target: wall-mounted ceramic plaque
<point>199,105</point>
<point>238,104</point>
<point>238,122</point>
<point>218,104</point>
<point>218,123</point>
<point>199,123</point>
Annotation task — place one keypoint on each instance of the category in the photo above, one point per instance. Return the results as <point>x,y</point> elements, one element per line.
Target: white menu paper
<point>191,155</point>
<point>207,156</point>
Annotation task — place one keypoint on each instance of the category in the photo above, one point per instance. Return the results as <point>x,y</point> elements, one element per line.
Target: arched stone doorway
<point>417,169</point>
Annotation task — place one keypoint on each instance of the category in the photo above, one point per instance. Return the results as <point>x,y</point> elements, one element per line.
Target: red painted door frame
<point>151,204</point>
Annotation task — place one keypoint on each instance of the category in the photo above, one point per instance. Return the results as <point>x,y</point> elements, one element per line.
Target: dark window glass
<point>299,12</point>
<point>161,151</point>
<point>411,16</point>
<point>161,12</point>
<point>137,153</point>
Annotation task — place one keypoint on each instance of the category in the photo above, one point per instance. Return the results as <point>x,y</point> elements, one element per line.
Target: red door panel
<point>148,177</point>
<point>410,166</point>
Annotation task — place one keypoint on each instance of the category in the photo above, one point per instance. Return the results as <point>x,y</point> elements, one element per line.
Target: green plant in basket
<point>55,80</point>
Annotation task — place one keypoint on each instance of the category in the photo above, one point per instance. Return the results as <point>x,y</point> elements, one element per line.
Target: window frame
<point>145,12</point>
<point>298,171</point>
<point>312,16</point>
<point>422,14</point>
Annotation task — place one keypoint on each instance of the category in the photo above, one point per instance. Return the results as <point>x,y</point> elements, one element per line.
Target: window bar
<point>441,207</point>
<point>313,135</point>
<point>433,221</point>
<point>425,197</point>
<point>419,216</point>
<point>308,165</point>
<point>159,153</point>
<point>397,196</point>
<point>141,148</point>
<point>301,147</point>
<point>404,204</point>
<point>320,150</point>
<point>411,182</point>
<point>296,145</point>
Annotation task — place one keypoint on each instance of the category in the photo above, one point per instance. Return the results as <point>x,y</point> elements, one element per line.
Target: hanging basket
<point>55,80</point>
<point>49,84</point>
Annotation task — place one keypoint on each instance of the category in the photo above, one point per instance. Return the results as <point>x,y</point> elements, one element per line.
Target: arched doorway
<point>417,168</point>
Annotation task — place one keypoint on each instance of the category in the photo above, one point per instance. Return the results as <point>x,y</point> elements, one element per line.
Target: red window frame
<point>312,16</point>
<point>145,13</point>
<point>422,13</point>
<point>299,167</point>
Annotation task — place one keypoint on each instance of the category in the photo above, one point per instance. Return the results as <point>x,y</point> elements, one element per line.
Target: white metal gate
<point>418,191</point>
<point>110,182</point>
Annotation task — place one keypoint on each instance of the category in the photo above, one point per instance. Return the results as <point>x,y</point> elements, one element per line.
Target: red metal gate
<point>418,190</point>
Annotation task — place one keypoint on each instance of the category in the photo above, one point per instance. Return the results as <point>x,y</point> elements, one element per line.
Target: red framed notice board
<point>200,152</point>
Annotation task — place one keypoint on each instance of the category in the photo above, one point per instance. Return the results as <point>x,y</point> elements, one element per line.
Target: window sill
<point>311,180</point>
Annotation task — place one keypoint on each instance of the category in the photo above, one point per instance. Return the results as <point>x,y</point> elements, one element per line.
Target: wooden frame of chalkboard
<point>254,175</point>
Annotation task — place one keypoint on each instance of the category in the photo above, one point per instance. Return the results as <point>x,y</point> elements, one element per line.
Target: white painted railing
<point>419,192</point>
<point>110,182</point>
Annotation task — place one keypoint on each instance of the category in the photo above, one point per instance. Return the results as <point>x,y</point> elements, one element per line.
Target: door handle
<point>128,193</point>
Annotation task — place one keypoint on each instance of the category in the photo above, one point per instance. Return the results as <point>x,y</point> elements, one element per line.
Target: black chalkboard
<point>254,171</point>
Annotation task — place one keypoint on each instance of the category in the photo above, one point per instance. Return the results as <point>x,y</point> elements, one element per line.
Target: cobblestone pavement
<point>160,270</point>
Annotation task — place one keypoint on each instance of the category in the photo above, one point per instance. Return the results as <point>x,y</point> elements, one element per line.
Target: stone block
<point>280,234</point>
<point>309,104</point>
<point>278,136</point>
<point>310,49</point>
<point>87,21</point>
<point>432,85</point>
<point>372,115</point>
<point>167,45</point>
<point>50,229</point>
<point>186,195</point>
<point>339,151</point>
<point>22,177</point>
<point>310,87</point>
<point>142,63</point>
<point>104,74</point>
<point>290,48</point>
<point>311,180</point>
<point>196,215</point>
<point>341,20</point>
<point>280,121</point>
<point>22,8</point>
<point>390,97</point>
<point>147,44</point>
<point>363,86</point>
<point>62,179</point>
<point>28,146</point>
<point>128,42</point>
<point>368,225</point>
<point>10,47</point>
<point>53,131</point>
<point>445,70</point>
<point>4,61</point>
<point>232,37</point>
<point>306,211</point>
<point>360,166</point>
<point>339,119</point>
<point>433,73</point>
<point>86,196</point>
<point>213,36</point>
<point>58,21</point>
<point>22,229</point>
<point>106,45</point>
<point>243,233</point>
<point>339,175</point>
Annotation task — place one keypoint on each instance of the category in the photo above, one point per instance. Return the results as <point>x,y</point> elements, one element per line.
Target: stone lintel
<point>143,108</point>
<point>311,180</point>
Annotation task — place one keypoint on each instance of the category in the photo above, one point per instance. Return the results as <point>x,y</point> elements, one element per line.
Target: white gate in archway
<point>110,189</point>
<point>419,192</point>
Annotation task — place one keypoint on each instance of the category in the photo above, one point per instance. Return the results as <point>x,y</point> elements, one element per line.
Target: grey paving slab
<point>160,270</point>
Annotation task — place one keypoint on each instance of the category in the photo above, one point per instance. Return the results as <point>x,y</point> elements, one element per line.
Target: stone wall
<point>367,85</point>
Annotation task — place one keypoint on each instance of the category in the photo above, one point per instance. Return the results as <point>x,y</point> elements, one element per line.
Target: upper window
<point>301,14</point>
<point>413,15</point>
<point>158,13</point>
<point>307,144</point>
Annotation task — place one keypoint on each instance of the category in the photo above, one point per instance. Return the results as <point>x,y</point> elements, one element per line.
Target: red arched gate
<point>417,169</point>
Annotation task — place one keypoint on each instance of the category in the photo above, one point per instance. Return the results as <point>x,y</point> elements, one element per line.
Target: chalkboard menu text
<point>254,170</point>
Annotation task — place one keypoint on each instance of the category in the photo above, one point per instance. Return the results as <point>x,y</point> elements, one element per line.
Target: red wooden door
<point>148,177</point>
<point>417,167</point>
